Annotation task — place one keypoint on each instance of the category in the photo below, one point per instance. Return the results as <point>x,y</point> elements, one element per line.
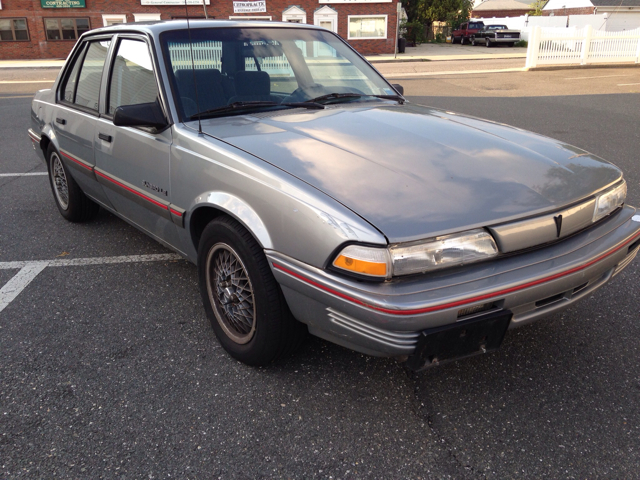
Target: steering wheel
<point>307,92</point>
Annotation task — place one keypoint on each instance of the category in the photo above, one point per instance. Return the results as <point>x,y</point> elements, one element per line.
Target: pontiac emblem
<point>558,221</point>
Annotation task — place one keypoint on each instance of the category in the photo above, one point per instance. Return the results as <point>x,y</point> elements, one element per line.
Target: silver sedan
<point>314,198</point>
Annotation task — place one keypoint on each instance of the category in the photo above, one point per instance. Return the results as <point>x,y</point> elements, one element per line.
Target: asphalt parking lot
<point>108,367</point>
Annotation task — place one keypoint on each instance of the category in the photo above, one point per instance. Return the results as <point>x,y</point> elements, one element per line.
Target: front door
<point>133,163</point>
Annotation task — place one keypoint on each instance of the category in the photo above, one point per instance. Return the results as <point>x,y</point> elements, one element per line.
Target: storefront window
<point>13,29</point>
<point>367,26</point>
<point>65,28</point>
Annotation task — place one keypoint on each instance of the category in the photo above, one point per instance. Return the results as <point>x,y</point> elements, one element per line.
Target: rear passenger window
<point>132,78</point>
<point>88,89</point>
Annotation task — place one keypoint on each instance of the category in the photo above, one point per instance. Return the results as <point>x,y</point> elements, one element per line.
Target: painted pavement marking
<point>29,270</point>
<point>32,174</point>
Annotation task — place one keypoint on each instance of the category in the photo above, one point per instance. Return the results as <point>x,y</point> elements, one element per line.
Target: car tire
<point>473,41</point>
<point>461,40</point>
<point>511,44</point>
<point>488,43</point>
<point>243,301</point>
<point>71,201</point>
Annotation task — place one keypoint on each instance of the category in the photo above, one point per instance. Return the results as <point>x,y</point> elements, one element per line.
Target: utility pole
<point>204,5</point>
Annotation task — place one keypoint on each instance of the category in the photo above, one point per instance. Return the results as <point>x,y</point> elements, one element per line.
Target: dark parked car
<point>313,198</point>
<point>464,32</point>
<point>491,35</point>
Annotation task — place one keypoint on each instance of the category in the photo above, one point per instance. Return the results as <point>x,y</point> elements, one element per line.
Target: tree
<point>429,11</point>
<point>537,7</point>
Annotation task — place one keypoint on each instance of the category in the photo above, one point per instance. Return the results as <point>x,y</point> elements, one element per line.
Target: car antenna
<point>193,66</point>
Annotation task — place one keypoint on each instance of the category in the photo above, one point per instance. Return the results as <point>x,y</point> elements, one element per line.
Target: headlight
<point>609,201</point>
<point>417,257</point>
<point>440,252</point>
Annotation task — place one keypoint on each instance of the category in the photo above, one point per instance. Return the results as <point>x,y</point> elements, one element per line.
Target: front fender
<point>236,208</point>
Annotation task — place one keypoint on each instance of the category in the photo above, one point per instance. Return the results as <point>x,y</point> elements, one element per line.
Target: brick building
<point>36,29</point>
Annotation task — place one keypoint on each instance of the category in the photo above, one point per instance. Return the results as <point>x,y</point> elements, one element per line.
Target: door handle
<point>105,137</point>
<point>61,121</point>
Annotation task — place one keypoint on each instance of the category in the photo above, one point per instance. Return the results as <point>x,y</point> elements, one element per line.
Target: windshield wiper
<point>239,106</point>
<point>331,96</point>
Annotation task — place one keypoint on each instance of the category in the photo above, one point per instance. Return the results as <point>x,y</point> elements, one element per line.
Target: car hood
<point>415,172</point>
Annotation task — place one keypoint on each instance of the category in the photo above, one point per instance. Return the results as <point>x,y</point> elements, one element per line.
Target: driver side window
<point>132,78</point>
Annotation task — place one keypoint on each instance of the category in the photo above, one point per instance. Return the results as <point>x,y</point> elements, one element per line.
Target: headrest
<point>252,83</point>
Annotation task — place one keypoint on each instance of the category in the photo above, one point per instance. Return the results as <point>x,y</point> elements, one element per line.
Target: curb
<point>580,67</point>
<point>436,59</point>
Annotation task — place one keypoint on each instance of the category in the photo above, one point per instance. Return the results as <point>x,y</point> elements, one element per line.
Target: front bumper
<point>385,319</point>
<point>504,40</point>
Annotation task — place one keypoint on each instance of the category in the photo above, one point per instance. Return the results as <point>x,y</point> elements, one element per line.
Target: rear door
<point>76,112</point>
<point>133,163</point>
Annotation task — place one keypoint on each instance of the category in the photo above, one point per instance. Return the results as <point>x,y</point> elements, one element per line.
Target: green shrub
<point>521,43</point>
<point>413,32</point>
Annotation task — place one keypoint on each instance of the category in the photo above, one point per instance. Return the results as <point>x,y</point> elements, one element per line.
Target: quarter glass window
<point>132,78</point>
<point>70,85</point>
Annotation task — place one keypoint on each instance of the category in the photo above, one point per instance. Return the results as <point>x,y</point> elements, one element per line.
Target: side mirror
<point>141,115</point>
<point>399,88</point>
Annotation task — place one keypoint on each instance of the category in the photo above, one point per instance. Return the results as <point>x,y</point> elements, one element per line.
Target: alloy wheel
<point>231,293</point>
<point>60,184</point>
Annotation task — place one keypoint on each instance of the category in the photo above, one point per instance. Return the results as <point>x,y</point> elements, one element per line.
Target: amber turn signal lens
<point>361,266</point>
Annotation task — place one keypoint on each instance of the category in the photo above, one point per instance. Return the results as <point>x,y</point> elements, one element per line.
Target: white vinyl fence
<point>567,46</point>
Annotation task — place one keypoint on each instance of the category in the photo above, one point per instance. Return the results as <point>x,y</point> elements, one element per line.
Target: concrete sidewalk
<point>427,52</point>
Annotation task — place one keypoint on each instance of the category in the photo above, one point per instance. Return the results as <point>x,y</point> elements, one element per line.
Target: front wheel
<point>242,299</point>
<point>462,41</point>
<point>71,201</point>
<point>473,41</point>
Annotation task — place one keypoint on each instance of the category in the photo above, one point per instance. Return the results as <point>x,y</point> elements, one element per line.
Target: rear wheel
<point>473,41</point>
<point>462,40</point>
<point>71,201</point>
<point>488,43</point>
<point>243,301</point>
<point>455,40</point>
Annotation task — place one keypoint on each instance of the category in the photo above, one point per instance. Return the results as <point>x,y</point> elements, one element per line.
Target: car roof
<point>158,27</point>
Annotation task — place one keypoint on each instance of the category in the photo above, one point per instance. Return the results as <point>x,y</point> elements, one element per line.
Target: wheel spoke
<point>231,293</point>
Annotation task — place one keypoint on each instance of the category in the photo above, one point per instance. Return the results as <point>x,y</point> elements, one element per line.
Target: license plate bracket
<point>444,344</point>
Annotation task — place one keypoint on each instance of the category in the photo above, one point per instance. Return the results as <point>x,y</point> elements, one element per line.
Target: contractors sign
<point>62,3</point>
<point>250,7</point>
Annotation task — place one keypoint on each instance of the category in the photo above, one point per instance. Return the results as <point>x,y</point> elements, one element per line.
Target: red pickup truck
<point>465,30</point>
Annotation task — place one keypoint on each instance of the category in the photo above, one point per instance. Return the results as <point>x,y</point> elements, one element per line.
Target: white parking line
<point>32,174</point>
<point>626,84</point>
<point>5,82</point>
<point>30,270</point>
<point>18,283</point>
<point>597,76</point>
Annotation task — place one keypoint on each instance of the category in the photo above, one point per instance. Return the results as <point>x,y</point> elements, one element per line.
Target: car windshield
<point>275,65</point>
